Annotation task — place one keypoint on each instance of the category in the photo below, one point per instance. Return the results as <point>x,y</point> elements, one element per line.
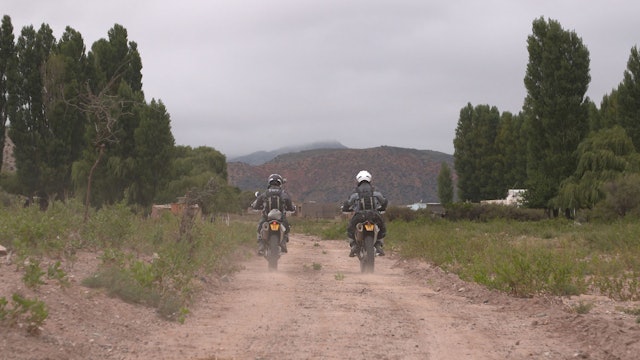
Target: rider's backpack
<point>366,200</point>
<point>273,199</point>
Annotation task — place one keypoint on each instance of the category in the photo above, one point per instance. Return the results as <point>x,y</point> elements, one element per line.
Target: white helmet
<point>363,175</point>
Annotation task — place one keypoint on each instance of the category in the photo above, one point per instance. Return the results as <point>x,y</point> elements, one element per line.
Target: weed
<point>339,276</point>
<point>55,272</point>
<point>582,307</point>
<point>33,274</point>
<point>634,311</point>
<point>317,266</point>
<point>30,312</point>
<point>3,308</point>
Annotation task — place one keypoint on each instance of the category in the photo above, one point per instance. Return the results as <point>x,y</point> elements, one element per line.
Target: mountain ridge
<point>261,157</point>
<point>405,176</point>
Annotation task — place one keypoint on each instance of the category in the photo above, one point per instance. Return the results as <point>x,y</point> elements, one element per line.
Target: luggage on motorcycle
<point>366,200</point>
<point>273,199</point>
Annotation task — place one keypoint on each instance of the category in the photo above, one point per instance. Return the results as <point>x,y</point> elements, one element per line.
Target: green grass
<point>324,228</point>
<point>522,258</point>
<point>152,262</point>
<point>143,260</point>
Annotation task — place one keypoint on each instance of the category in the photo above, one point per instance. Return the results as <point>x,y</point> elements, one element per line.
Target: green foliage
<point>33,274</point>
<point>627,99</point>
<point>510,169</point>
<point>477,212</point>
<point>23,311</point>
<point>154,152</point>
<point>445,184</point>
<point>475,153</point>
<point>623,195</point>
<point>326,229</point>
<point>201,173</point>
<point>582,307</point>
<point>55,272</point>
<point>110,227</point>
<point>34,232</point>
<point>143,260</point>
<point>603,156</point>
<point>8,72</point>
<point>556,110</point>
<point>529,258</point>
<point>401,213</point>
<point>166,279</point>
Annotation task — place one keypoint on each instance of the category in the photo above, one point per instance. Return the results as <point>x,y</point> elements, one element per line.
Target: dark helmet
<point>275,179</point>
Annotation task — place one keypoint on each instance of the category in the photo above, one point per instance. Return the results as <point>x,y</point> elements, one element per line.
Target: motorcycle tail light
<point>369,226</point>
<point>275,226</point>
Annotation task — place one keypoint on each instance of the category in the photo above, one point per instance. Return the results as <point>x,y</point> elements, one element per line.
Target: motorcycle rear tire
<point>369,254</point>
<point>274,251</point>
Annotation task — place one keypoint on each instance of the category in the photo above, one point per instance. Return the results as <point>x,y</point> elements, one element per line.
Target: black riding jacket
<point>365,197</point>
<point>275,197</point>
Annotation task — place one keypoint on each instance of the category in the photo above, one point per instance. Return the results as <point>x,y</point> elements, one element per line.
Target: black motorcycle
<point>272,237</point>
<point>366,235</point>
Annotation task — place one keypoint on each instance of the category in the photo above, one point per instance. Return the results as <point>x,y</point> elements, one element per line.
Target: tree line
<point>82,127</point>
<point>567,152</point>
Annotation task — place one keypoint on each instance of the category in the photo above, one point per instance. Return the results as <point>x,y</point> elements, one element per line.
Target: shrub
<point>30,312</point>
<point>478,212</point>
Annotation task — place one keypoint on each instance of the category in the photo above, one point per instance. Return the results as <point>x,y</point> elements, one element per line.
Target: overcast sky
<point>366,73</point>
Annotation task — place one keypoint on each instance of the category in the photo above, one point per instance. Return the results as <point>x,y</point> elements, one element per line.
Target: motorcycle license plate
<point>274,226</point>
<point>368,226</point>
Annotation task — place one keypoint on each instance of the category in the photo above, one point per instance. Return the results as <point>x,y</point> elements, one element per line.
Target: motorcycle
<point>366,235</point>
<point>272,237</point>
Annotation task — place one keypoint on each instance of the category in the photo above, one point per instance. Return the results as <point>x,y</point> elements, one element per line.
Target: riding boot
<point>283,246</point>
<point>378,245</point>
<point>260,246</point>
<point>354,248</point>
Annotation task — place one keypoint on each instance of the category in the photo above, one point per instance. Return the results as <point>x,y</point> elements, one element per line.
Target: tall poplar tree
<point>445,184</point>
<point>63,74</point>
<point>7,77</point>
<point>475,154</point>
<point>115,78</point>
<point>511,146</point>
<point>29,130</point>
<point>154,152</point>
<point>555,107</point>
<point>628,98</point>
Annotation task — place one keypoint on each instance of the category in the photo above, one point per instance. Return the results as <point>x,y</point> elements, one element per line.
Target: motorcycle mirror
<point>257,193</point>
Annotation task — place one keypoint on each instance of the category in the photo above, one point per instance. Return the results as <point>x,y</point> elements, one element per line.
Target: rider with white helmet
<point>365,199</point>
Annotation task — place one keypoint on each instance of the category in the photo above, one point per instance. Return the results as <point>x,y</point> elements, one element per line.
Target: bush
<point>481,212</point>
<point>24,311</point>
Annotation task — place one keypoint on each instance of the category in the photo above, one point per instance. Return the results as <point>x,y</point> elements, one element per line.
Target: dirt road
<point>319,306</point>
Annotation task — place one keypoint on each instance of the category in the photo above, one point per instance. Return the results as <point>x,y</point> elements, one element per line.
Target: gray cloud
<point>365,73</point>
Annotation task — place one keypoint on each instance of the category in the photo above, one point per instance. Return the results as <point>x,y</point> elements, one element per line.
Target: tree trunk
<point>87,200</point>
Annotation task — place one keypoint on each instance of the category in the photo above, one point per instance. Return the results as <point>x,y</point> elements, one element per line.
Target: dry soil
<point>319,306</point>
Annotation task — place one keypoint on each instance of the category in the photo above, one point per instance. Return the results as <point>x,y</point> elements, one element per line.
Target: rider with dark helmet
<point>365,201</point>
<point>275,197</point>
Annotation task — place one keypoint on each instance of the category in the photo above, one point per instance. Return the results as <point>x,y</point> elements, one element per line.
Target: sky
<point>250,75</point>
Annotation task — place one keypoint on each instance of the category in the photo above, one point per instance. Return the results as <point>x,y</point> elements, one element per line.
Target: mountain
<point>404,176</point>
<point>261,157</point>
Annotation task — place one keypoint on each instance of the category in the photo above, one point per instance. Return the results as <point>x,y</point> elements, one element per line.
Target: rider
<point>275,197</point>
<point>365,201</point>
